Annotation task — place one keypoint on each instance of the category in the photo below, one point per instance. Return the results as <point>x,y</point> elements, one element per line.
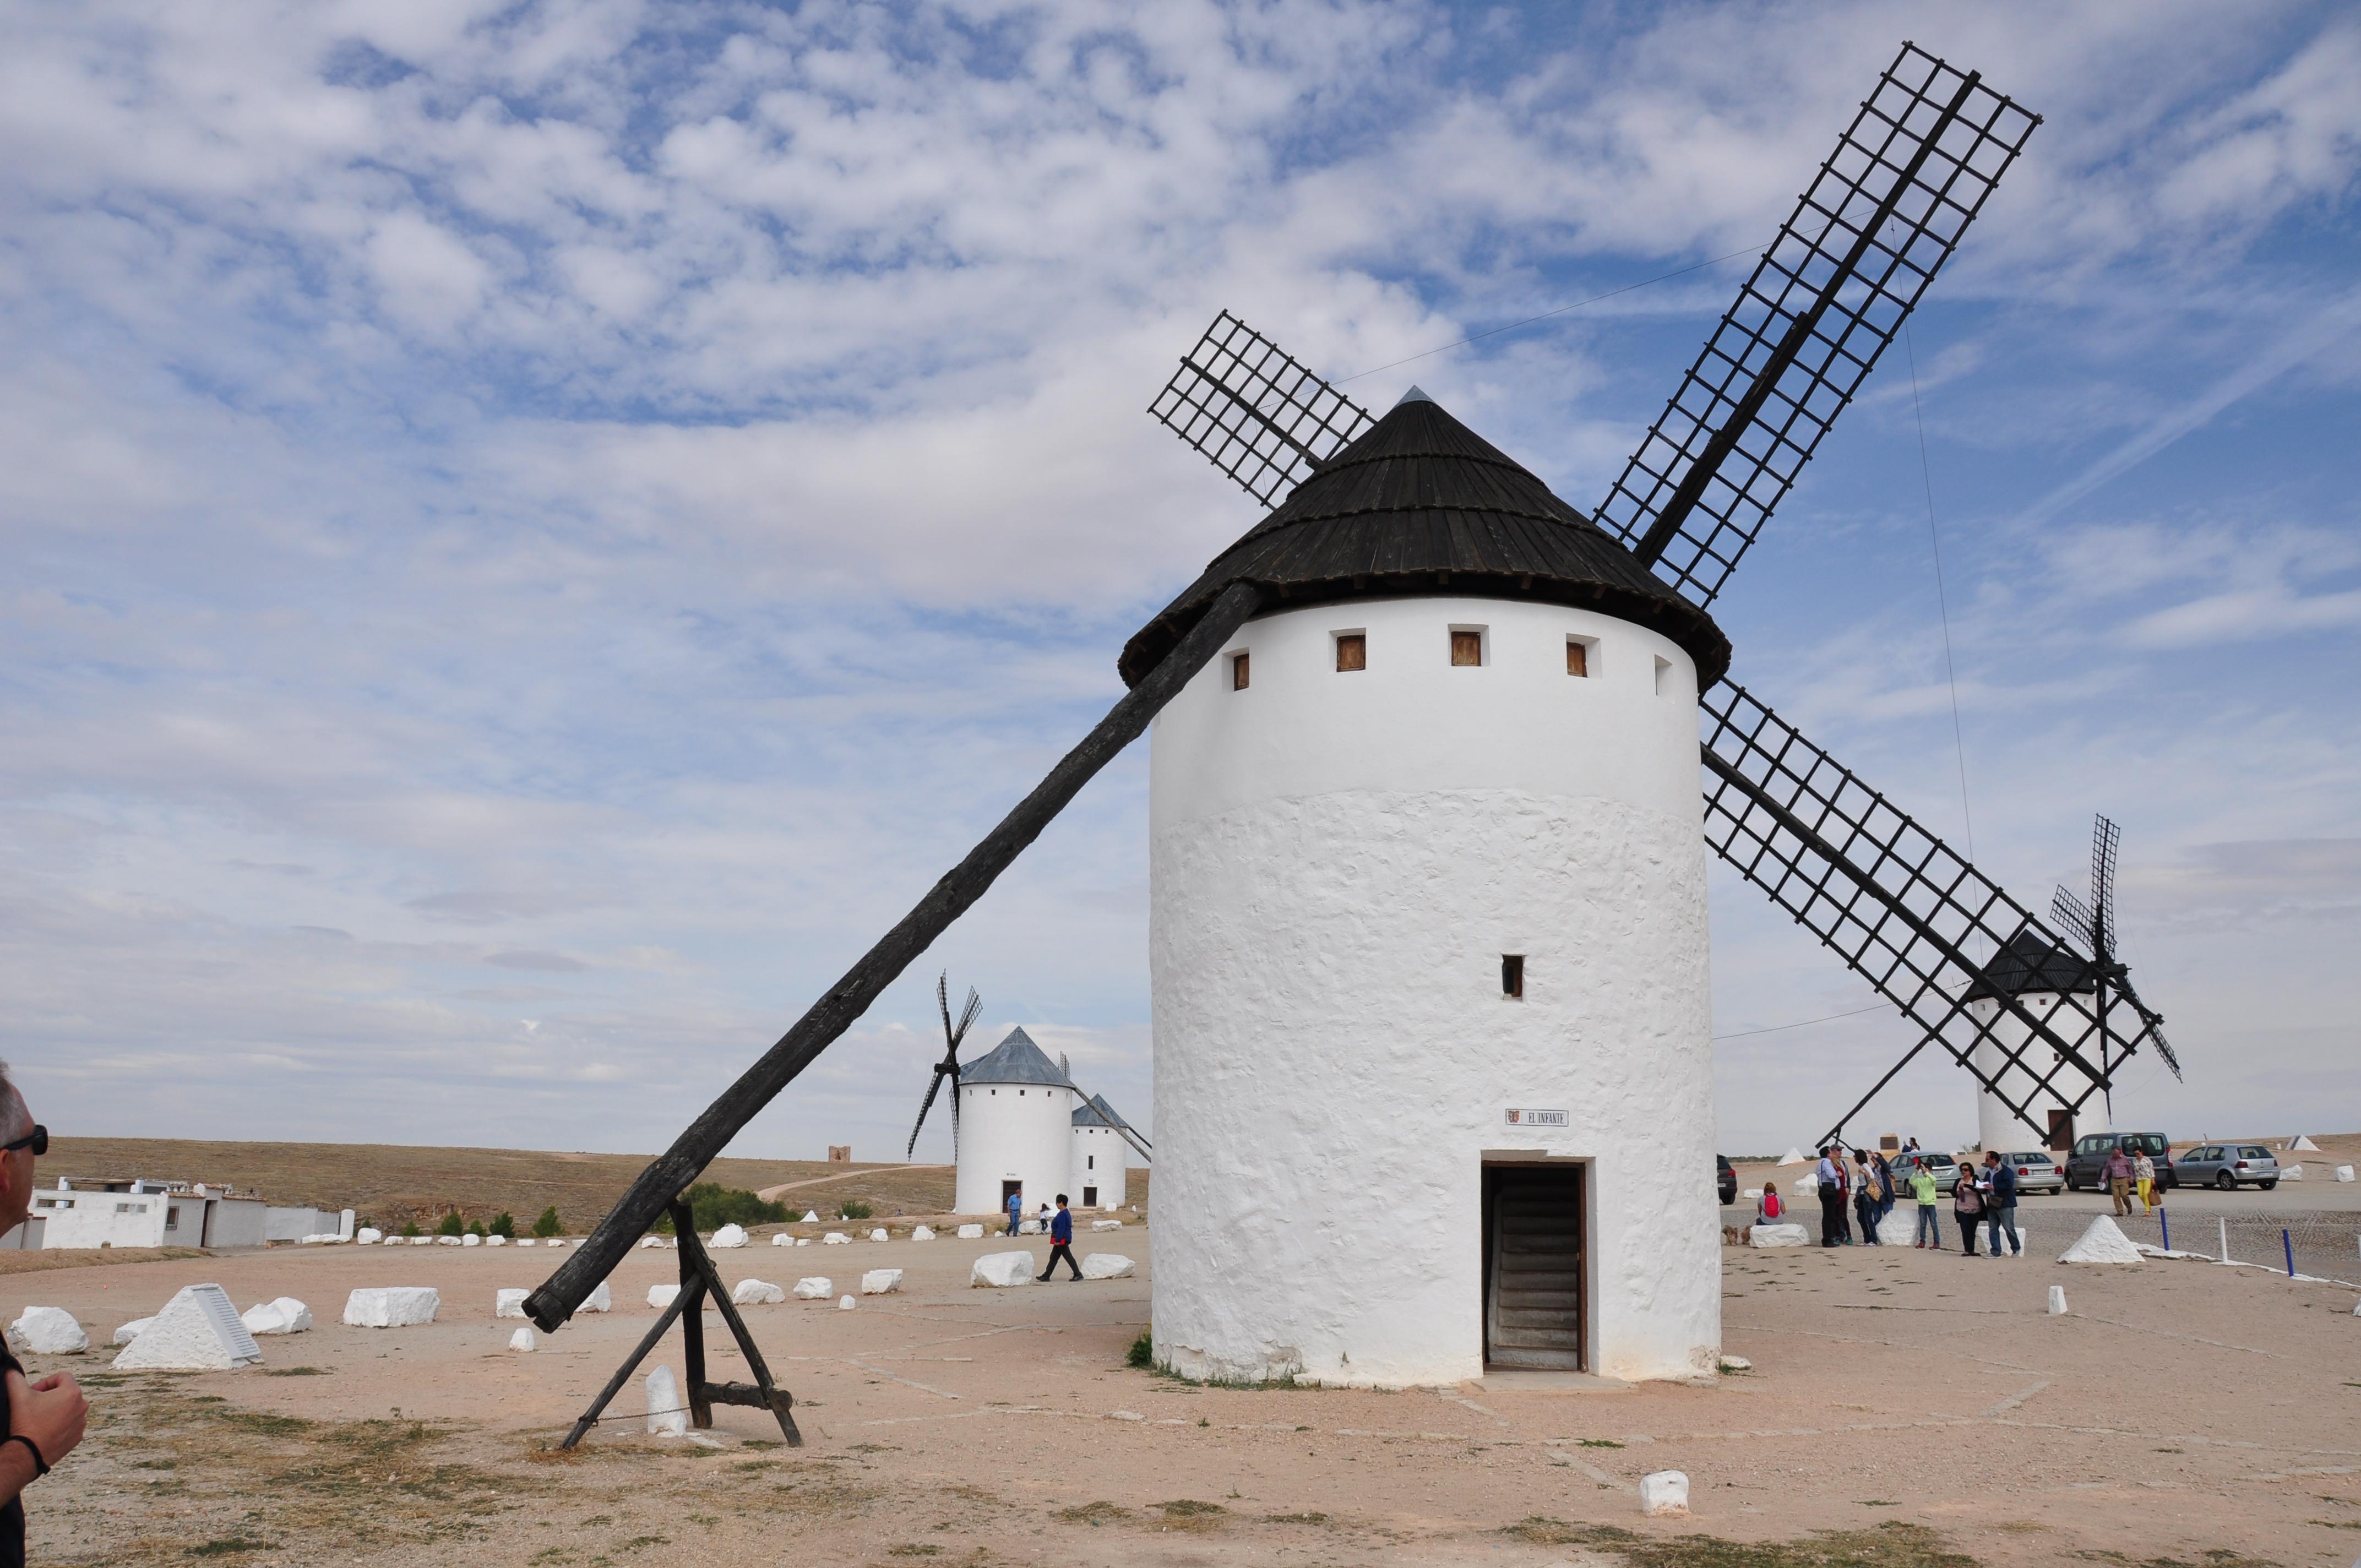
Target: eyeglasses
<point>38,1140</point>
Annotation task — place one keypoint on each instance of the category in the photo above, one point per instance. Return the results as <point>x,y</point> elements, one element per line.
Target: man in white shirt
<point>1831,1198</point>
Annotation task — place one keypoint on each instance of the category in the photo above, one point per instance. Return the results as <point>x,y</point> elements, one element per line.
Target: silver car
<point>2037,1170</point>
<point>2228,1166</point>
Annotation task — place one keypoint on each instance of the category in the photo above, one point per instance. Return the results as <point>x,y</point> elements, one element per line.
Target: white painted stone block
<point>846,1303</point>
<point>2290,1173</point>
<point>1777,1235</point>
<point>783,1239</point>
<point>803,1241</point>
<point>523,1339</point>
<point>369,1236</point>
<point>756,1293</point>
<point>420,1241</point>
<point>602,1299</point>
<point>393,1306</point>
<point>878,1234</point>
<point>285,1315</point>
<point>811,1216</point>
<point>1107,1224</point>
<point>880,1281</point>
<point>1002,1269</point>
<point>1030,1228</point>
<point>649,1243</point>
<point>662,1296</point>
<point>471,1239</point>
<point>198,1330</point>
<point>1752,1194</point>
<point>923,1234</point>
<point>2058,1300</point>
<point>496,1241</point>
<point>730,1236</point>
<point>2104,1241</point>
<point>554,1241</point>
<point>1108,1266</point>
<point>449,1241</point>
<point>1735,1362</point>
<point>836,1238</point>
<point>525,1240</point>
<point>819,1287</point>
<point>1665,1494</point>
<point>667,1414</point>
<point>509,1304</point>
<point>970,1233</point>
<point>49,1330</point>
<point>132,1330</point>
<point>2344,1173</point>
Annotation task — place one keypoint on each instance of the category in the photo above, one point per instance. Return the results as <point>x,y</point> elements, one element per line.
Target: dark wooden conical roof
<point>1422,505</point>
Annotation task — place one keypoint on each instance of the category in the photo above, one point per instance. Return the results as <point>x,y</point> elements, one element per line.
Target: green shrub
<point>409,1228</point>
<point>503,1224</point>
<point>853,1209</point>
<point>714,1206</point>
<point>549,1224</point>
<point>451,1225</point>
<point>475,1228</point>
<point>1143,1351</point>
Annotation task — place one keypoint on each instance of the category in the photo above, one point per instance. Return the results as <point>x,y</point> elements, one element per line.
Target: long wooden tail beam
<point>669,1175</point>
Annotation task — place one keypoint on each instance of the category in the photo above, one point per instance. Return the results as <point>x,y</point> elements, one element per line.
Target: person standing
<point>1061,1242</point>
<point>1865,1197</point>
<point>1999,1199</point>
<point>1966,1207</point>
<point>1886,1192</point>
<point>2143,1178</point>
<point>1015,1210</point>
<point>1831,1196</point>
<point>1844,1195</point>
<point>43,1416</point>
<point>1923,1189</point>
<point>2119,1180</point>
<point>1913,1146</point>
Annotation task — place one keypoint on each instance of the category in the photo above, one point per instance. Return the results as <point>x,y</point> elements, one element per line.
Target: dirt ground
<point>1919,1408</point>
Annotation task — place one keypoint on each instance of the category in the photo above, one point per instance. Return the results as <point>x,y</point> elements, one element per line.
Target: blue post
<point>2164,1217</point>
<point>2290,1252</point>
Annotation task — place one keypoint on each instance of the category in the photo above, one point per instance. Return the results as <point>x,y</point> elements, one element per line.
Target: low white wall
<point>78,1220</point>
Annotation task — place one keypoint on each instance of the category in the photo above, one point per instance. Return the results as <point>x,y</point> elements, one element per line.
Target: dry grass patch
<point>1093,1514</point>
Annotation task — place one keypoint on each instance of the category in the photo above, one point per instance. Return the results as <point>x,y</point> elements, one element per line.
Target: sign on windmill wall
<point>1534,1118</point>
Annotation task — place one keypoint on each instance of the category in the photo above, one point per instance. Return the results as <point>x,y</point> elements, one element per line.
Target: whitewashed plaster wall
<point>1338,862</point>
<point>99,1219</point>
<point>1997,1127</point>
<point>1019,1130</point>
<point>1110,1173</point>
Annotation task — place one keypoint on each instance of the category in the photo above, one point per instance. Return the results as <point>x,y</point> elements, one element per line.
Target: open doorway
<point>1536,1296</point>
<point>1009,1190</point>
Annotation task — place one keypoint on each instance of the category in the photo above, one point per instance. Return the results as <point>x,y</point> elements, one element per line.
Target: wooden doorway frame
<point>1586,1202</point>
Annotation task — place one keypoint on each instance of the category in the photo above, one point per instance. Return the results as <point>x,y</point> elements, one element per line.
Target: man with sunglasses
<point>44,1418</point>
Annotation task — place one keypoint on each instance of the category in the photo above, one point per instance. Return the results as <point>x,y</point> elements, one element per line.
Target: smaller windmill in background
<point>2072,981</point>
<point>949,1065</point>
<point>2091,928</point>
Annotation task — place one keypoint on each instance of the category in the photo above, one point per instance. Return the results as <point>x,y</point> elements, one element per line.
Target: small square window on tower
<point>1512,976</point>
<point>1238,671</point>
<point>1351,650</point>
<point>1466,645</point>
<point>1579,656</point>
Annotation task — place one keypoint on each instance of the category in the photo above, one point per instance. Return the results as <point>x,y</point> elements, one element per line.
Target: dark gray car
<point>2086,1168</point>
<point>2229,1166</point>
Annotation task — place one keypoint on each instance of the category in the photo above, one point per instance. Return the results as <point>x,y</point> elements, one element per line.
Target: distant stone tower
<point>2045,977</point>
<point>1427,939</point>
<point>1015,1129</point>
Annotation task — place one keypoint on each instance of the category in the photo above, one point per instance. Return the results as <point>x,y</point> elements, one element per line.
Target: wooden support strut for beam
<point>666,1178</point>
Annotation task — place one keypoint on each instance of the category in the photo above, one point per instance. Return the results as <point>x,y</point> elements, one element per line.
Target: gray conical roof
<point>1015,1059</point>
<point>1420,504</point>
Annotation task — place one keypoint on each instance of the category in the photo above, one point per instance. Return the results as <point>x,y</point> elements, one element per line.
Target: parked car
<point>1725,1179</point>
<point>2230,1165</point>
<point>2086,1168</point>
<point>2037,1170</point>
<point>1945,1169</point>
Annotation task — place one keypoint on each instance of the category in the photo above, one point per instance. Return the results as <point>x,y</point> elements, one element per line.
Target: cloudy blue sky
<point>530,534</point>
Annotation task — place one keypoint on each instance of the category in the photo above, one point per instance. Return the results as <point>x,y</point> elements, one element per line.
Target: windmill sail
<point>1883,214</point>
<point>1255,411</point>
